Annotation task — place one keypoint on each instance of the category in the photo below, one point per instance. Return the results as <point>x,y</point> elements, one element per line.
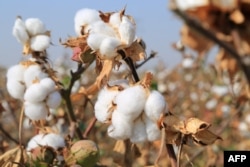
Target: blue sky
<point>155,24</point>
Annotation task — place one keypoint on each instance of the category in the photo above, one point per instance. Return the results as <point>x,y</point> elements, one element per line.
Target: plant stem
<point>171,154</point>
<point>21,126</point>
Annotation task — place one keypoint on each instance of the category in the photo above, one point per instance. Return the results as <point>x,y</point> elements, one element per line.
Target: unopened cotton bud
<point>94,40</point>
<point>35,93</point>
<point>34,26</point>
<point>109,46</point>
<point>35,111</point>
<point>19,31</point>
<point>85,17</point>
<point>121,127</point>
<point>131,101</point>
<point>16,72</point>
<point>139,133</point>
<point>53,100</point>
<point>40,43</point>
<point>48,84</point>
<point>155,105</point>
<point>153,132</point>
<point>127,31</point>
<point>16,88</point>
<point>33,73</point>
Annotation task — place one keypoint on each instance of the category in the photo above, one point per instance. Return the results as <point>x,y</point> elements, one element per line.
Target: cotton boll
<point>32,73</point>
<point>153,132</point>
<point>15,88</point>
<point>85,17</point>
<point>131,101</point>
<point>34,142</point>
<point>35,26</point>
<point>94,40</point>
<point>53,100</point>
<point>19,31</point>
<point>16,72</point>
<point>35,93</point>
<point>127,31</point>
<point>53,140</point>
<point>139,133</point>
<point>155,105</point>
<point>108,48</point>
<point>48,84</point>
<point>115,19</point>
<point>121,127</point>
<point>101,28</point>
<point>35,111</point>
<point>40,43</point>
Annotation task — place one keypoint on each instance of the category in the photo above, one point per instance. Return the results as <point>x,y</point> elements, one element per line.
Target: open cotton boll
<point>35,141</point>
<point>101,27</point>
<point>139,133</point>
<point>39,43</point>
<point>53,140</point>
<point>155,105</point>
<point>127,31</point>
<point>35,93</point>
<point>54,100</point>
<point>131,101</point>
<point>115,19</point>
<point>94,40</point>
<point>85,17</point>
<point>48,84</point>
<point>15,88</point>
<point>32,73</point>
<point>108,48</point>
<point>16,72</point>
<point>35,26</point>
<point>152,130</point>
<point>121,128</point>
<point>19,31</point>
<point>35,111</point>
<point>103,104</point>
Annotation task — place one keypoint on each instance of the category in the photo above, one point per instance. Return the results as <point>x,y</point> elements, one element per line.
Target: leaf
<point>205,137</point>
<point>194,125</point>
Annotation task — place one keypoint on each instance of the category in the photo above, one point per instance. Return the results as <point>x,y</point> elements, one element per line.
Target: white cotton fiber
<point>131,101</point>
<point>103,104</point>
<point>35,26</point>
<point>153,132</point>
<point>40,43</point>
<point>35,93</point>
<point>94,40</point>
<point>32,73</point>
<point>139,133</point>
<point>48,84</point>
<point>19,31</point>
<point>16,72</point>
<point>85,17</point>
<point>115,20</point>
<point>155,105</point>
<point>15,88</point>
<point>35,141</point>
<point>53,140</point>
<point>53,100</point>
<point>101,28</point>
<point>127,31</point>
<point>121,128</point>
<point>35,111</point>
<point>108,47</point>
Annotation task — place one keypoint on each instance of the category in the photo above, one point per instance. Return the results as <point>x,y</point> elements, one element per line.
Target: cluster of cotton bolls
<point>32,85</point>
<point>31,33</point>
<point>132,111</point>
<point>117,30</point>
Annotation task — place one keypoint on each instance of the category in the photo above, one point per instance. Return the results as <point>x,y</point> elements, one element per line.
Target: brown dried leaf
<point>194,125</point>
<point>205,137</point>
<point>173,123</point>
<point>73,42</point>
<point>173,137</point>
<point>135,51</point>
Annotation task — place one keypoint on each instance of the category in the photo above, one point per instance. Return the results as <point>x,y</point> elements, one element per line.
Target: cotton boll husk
<point>108,47</point>
<point>94,40</point>
<point>48,84</point>
<point>19,31</point>
<point>155,105</point>
<point>131,101</point>
<point>32,73</point>
<point>121,127</point>
<point>35,111</point>
<point>127,31</point>
<point>16,72</point>
<point>153,132</point>
<point>34,142</point>
<point>35,93</point>
<point>103,104</point>
<point>40,43</point>
<point>34,26</point>
<point>15,88</point>
<point>139,133</point>
<point>101,27</point>
<point>53,100</point>
<point>53,140</point>
<point>85,17</point>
